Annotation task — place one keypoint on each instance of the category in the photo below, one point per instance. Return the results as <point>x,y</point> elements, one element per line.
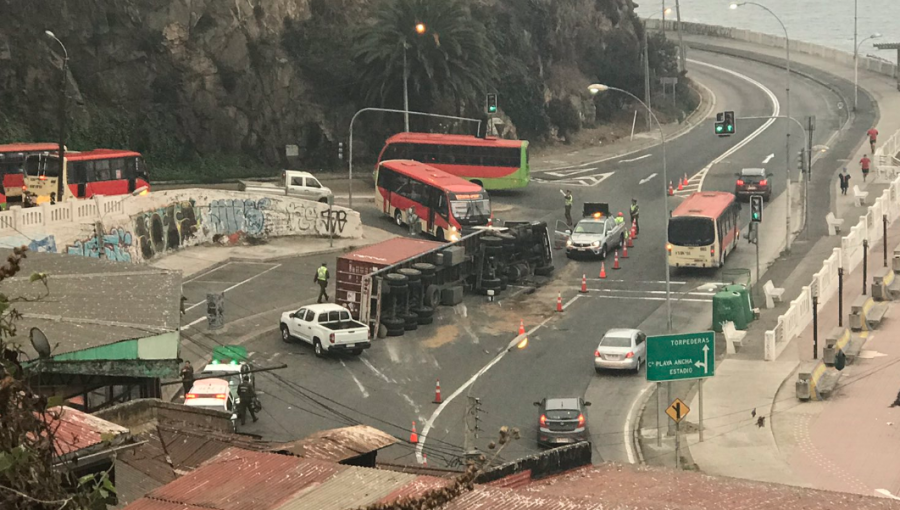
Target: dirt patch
<point>443,335</point>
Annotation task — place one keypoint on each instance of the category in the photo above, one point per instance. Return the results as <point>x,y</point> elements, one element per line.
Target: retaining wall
<point>137,229</point>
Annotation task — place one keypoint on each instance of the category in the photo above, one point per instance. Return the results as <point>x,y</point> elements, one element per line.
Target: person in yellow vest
<point>635,214</point>
<point>620,219</point>
<point>569,201</point>
<point>322,279</point>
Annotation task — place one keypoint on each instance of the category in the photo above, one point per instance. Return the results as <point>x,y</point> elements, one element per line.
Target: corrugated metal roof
<point>244,480</point>
<point>417,487</point>
<point>148,504</point>
<point>352,488</point>
<point>492,498</point>
<point>78,430</point>
<point>339,444</point>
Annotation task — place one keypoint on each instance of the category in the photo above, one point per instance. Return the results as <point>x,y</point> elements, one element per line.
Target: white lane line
<point>647,179</point>
<point>437,412</point>
<point>633,281</point>
<point>768,158</point>
<point>567,173</point>
<point>201,275</point>
<point>571,301</point>
<point>652,292</point>
<point>776,108</point>
<point>198,321</point>
<point>629,437</point>
<point>635,159</point>
<point>650,298</point>
<point>362,389</point>
<point>377,372</point>
<point>236,285</point>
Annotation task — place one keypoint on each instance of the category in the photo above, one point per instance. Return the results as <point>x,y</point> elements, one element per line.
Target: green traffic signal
<point>730,128</point>
<point>719,128</point>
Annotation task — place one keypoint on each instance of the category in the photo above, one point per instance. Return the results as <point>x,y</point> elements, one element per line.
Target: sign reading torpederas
<point>679,357</point>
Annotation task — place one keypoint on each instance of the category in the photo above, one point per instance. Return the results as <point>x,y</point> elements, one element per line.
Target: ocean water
<point>824,22</point>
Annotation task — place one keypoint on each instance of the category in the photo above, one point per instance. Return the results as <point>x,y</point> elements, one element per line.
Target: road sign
<point>678,410</point>
<point>678,357</point>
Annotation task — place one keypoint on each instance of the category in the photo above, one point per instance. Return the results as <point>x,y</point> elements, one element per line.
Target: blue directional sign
<point>679,357</point>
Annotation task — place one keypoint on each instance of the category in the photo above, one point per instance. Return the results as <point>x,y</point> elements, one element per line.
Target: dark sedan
<point>562,421</point>
<point>753,181</point>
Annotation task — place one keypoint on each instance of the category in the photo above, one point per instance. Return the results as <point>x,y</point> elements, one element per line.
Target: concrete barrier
<point>137,229</point>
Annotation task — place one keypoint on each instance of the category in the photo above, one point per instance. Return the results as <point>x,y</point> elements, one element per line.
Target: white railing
<point>825,282</point>
<point>886,163</point>
<point>78,211</point>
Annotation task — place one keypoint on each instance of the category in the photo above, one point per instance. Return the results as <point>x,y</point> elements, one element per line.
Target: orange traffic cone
<point>521,327</point>
<point>625,252</point>
<point>685,180</point>
<point>680,186</point>
<point>437,392</point>
<point>630,243</point>
<point>603,270</point>
<point>616,261</point>
<point>584,284</point>
<point>559,307</point>
<point>424,459</point>
<point>671,190</point>
<point>634,232</point>
<point>413,436</point>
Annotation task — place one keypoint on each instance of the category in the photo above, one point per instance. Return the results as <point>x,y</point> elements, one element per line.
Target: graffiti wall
<point>154,225</point>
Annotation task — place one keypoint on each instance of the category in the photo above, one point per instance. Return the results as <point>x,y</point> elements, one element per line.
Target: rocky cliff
<point>181,79</point>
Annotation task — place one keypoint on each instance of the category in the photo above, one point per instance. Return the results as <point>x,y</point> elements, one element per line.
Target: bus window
<point>101,169</point>
<point>441,208</point>
<point>117,168</point>
<point>77,172</point>
<point>691,231</point>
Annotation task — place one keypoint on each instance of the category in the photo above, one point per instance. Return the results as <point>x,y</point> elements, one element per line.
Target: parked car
<point>293,183</point>
<point>562,421</point>
<point>753,181</point>
<point>621,349</point>
<point>597,233</point>
<point>328,327</point>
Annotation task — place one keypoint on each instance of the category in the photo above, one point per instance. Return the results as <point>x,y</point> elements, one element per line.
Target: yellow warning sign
<point>678,410</point>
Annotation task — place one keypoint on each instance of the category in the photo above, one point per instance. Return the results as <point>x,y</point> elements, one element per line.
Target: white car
<point>328,327</point>
<point>213,394</point>
<point>293,183</point>
<point>621,349</point>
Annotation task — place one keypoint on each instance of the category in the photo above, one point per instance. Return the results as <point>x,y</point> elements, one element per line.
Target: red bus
<point>12,166</point>
<point>89,173</point>
<point>703,230</point>
<point>493,163</point>
<point>444,204</point>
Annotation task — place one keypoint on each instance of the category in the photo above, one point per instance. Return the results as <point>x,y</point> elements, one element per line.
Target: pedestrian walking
<point>635,213</point>
<point>845,181</point>
<point>321,278</point>
<point>246,396</point>
<point>873,137</point>
<point>864,164</point>
<point>187,377</point>
<point>183,299</point>
<point>413,220</point>
<point>569,200</point>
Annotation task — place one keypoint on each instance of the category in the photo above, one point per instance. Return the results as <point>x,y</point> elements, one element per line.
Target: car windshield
<point>615,341</point>
<point>562,414</point>
<point>589,227</point>
<point>691,231</point>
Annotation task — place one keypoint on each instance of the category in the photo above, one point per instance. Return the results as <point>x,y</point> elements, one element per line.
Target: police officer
<point>620,219</point>
<point>187,376</point>
<point>569,201</point>
<point>322,279</point>
<point>246,394</point>
<point>635,213</point>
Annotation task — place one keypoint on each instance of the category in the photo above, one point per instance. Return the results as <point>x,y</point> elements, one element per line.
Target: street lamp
<point>667,10</point>
<point>856,69</point>
<point>420,29</point>
<point>595,89</point>
<point>787,125</point>
<point>62,115</point>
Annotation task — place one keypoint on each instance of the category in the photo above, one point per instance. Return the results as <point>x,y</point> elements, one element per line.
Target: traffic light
<point>492,102</point>
<point>720,124</point>
<point>756,208</point>
<point>801,159</point>
<point>730,127</point>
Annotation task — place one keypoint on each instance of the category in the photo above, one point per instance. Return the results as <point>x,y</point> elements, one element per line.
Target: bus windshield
<point>37,164</point>
<point>470,208</point>
<point>691,231</point>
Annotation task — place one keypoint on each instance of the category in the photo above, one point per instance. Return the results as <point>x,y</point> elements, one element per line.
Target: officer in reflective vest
<point>322,279</point>
<point>620,219</point>
<point>635,213</point>
<point>569,200</point>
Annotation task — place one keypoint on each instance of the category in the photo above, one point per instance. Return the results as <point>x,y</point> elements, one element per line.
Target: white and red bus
<point>703,230</point>
<point>493,163</point>
<point>12,166</point>
<point>444,204</point>
<point>89,173</point>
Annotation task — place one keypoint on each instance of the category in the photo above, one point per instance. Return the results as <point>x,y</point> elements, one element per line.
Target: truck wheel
<point>491,241</point>
<point>425,311</point>
<point>286,334</point>
<point>398,218</point>
<point>319,350</point>
<point>440,235</point>
<point>412,322</point>
<point>323,200</point>
<point>396,331</point>
<point>425,268</point>
<point>424,321</point>
<point>412,275</point>
<point>433,296</point>
<point>504,283</point>
<point>491,283</point>
<point>395,279</point>
<point>393,322</point>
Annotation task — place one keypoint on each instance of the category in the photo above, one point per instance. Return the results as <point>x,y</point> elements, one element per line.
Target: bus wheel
<point>478,183</point>
<point>398,218</point>
<point>440,235</point>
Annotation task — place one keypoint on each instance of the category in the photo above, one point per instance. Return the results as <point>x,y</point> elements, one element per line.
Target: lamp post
<point>597,88</point>
<point>856,67</point>
<point>420,29</point>
<point>62,115</point>
<point>647,65</point>
<point>787,126</point>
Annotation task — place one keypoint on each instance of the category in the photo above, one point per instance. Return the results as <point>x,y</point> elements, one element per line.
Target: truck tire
<point>433,296</point>
<point>493,250</point>
<point>491,241</point>
<point>396,331</point>
<point>491,283</point>
<point>318,349</point>
<point>424,321</point>
<point>399,291</point>
<point>395,279</point>
<point>504,283</point>
<point>544,270</point>
<point>513,273</point>
<point>393,322</point>
<point>412,275</point>
<point>286,336</point>
<point>425,311</point>
<point>412,322</point>
<point>425,268</point>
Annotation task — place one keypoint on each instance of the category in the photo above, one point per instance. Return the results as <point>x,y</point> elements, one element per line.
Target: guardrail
<point>46,215</point>
<point>824,283</point>
<point>886,162</point>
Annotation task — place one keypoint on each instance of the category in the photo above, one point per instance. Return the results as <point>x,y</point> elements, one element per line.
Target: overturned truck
<point>395,286</point>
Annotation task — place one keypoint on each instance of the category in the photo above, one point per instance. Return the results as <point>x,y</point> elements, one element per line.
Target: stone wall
<point>137,229</point>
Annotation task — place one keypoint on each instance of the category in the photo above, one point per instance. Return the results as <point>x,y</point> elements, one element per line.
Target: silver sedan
<point>621,349</point>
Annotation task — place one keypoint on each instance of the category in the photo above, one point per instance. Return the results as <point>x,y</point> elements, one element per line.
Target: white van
<point>213,394</point>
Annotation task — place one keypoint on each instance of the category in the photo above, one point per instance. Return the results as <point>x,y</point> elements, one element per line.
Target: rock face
<point>178,78</point>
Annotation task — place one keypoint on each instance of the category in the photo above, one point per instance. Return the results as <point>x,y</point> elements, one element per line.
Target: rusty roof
<point>77,430</point>
<point>340,444</point>
<point>352,488</point>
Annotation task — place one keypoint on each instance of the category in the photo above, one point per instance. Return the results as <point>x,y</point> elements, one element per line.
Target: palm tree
<point>451,59</point>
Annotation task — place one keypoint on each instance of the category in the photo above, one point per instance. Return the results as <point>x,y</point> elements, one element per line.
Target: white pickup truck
<point>328,327</point>
<point>293,183</point>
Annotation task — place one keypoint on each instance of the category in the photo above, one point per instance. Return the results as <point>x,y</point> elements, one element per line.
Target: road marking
<point>362,389</point>
<point>236,285</point>
<point>377,372</point>
<point>653,292</point>
<point>651,298</point>
<point>636,281</point>
<point>423,437</point>
<point>213,270</point>
<point>569,173</point>
<point>647,179</point>
<point>198,321</point>
<point>768,158</point>
<point>776,108</point>
<point>569,302</point>
<point>583,181</point>
<point>629,434</point>
<point>635,159</point>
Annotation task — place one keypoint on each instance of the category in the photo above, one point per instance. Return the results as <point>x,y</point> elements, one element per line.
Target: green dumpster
<point>746,301</point>
<point>728,306</point>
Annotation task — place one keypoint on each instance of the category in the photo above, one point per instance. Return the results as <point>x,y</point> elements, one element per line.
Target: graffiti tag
<point>165,229</point>
<point>227,216</point>
<point>114,245</point>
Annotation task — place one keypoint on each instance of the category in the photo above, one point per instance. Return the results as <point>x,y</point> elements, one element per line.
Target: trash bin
<point>729,306</point>
<point>746,300</point>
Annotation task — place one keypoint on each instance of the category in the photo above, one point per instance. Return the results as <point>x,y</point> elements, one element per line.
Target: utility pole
<point>681,38</point>
<point>470,422</point>
<point>647,79</point>
<point>811,126</point>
